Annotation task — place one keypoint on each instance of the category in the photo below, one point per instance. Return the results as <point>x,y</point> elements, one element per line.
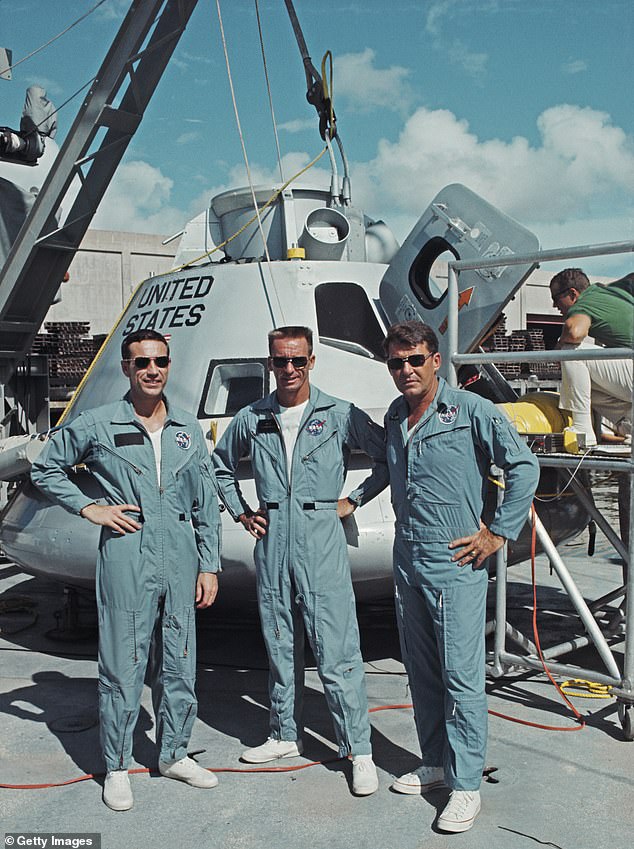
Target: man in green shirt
<point>605,313</point>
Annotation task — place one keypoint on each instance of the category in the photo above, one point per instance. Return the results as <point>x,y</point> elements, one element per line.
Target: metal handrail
<point>626,688</point>
<point>455,266</point>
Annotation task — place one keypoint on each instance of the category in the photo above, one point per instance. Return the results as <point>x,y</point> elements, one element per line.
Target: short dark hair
<point>141,336</point>
<point>292,331</point>
<point>569,278</point>
<point>409,334</point>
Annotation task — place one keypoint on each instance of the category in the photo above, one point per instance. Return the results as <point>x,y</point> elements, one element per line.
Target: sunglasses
<point>559,295</point>
<point>415,361</point>
<point>143,362</point>
<point>298,362</point>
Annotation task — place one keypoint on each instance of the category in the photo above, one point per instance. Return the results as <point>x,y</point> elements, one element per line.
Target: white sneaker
<point>273,750</point>
<point>422,780</point>
<point>365,781</point>
<point>461,810</point>
<point>189,771</point>
<point>117,793</point>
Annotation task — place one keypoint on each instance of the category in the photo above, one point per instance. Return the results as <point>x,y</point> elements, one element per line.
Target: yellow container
<point>537,412</point>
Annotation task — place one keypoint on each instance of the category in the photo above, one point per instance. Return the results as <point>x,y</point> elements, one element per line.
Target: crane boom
<point>116,102</point>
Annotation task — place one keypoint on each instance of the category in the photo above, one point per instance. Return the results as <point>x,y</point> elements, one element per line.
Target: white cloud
<point>574,66</point>
<point>50,86</point>
<point>188,138</point>
<point>366,87</point>
<point>583,164</point>
<point>436,16</point>
<point>473,63</point>
<point>138,200</point>
<point>292,163</point>
<point>114,10</point>
<point>459,53</point>
<point>298,125</point>
<point>574,187</point>
<point>595,230</point>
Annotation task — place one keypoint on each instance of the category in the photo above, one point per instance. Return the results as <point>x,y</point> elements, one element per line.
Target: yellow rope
<point>253,218</point>
<point>328,91</point>
<point>592,690</point>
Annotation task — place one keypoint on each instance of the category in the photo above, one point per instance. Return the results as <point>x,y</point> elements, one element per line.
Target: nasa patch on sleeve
<point>183,440</point>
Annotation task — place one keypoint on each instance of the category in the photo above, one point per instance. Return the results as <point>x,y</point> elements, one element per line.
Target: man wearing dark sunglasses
<point>440,443</point>
<point>299,440</point>
<point>605,313</point>
<point>158,555</point>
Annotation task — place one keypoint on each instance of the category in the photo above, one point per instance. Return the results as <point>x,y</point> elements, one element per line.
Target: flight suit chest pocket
<point>123,458</point>
<point>186,476</point>
<point>439,463</point>
<point>269,465</point>
<point>322,464</point>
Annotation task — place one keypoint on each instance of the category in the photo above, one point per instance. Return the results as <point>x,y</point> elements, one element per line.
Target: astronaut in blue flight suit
<point>159,551</point>
<point>299,440</point>
<point>440,443</point>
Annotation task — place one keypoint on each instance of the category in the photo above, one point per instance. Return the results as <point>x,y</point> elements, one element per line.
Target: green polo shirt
<point>611,312</point>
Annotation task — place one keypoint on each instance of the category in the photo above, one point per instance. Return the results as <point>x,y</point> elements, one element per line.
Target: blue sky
<point>528,102</point>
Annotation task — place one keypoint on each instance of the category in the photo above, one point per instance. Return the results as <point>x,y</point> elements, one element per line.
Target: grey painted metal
<point>628,660</point>
<point>577,599</point>
<point>566,669</point>
<point>44,249</point>
<point>546,356</point>
<point>624,683</point>
<point>573,462</point>
<point>580,605</point>
<point>452,327</point>
<point>460,223</point>
<point>501,563</point>
<point>602,523</point>
<point>550,255</point>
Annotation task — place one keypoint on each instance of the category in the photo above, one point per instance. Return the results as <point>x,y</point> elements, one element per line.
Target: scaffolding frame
<point>619,621</point>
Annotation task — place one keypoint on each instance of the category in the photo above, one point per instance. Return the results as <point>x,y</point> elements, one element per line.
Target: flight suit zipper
<point>120,457</point>
<point>128,716</point>
<point>267,450</point>
<point>321,445</point>
<point>289,508</point>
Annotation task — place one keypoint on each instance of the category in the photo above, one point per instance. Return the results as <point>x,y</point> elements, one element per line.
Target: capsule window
<point>346,320</point>
<point>231,385</point>
<point>428,273</point>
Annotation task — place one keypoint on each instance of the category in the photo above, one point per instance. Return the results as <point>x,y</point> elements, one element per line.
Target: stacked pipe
<point>70,350</point>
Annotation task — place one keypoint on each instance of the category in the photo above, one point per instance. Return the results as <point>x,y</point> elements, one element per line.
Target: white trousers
<point>603,385</point>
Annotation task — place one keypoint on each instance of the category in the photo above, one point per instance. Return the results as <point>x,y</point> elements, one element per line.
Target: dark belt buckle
<point>309,505</point>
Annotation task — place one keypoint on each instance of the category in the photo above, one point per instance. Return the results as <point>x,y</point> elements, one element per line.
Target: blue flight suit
<point>301,562</point>
<point>146,580</point>
<point>438,481</point>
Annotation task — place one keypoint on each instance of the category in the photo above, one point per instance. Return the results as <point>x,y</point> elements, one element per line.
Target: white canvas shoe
<point>117,793</point>
<point>189,771</point>
<point>460,812</point>
<point>422,780</point>
<point>273,750</point>
<point>365,781</point>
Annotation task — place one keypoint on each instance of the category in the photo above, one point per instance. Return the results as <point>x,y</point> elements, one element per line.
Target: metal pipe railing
<point>624,685</point>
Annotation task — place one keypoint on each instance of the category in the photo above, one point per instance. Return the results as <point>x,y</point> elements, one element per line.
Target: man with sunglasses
<point>158,555</point>
<point>440,443</point>
<point>299,440</point>
<point>606,313</point>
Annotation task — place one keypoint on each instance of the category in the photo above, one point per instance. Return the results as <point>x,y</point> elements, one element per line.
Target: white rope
<point>51,40</point>
<point>248,169</point>
<point>268,88</point>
